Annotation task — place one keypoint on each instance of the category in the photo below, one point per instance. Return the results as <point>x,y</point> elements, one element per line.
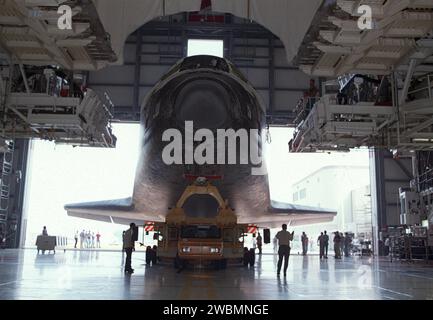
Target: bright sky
<point>286,168</point>
<point>62,174</point>
<point>206,47</point>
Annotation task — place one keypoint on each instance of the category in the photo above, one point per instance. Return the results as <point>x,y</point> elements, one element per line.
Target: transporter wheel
<point>220,264</point>
<point>223,264</point>
<point>177,262</point>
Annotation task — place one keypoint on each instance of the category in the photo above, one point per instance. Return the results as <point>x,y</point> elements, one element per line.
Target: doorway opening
<point>209,47</point>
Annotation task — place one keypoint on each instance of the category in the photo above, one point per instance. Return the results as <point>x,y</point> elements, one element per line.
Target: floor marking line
<point>186,290</point>
<point>6,283</point>
<point>404,273</point>
<point>211,293</point>
<point>396,292</point>
<point>416,276</point>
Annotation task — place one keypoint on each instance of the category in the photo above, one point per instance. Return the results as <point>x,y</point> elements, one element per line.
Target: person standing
<point>387,246</point>
<point>148,255</point>
<point>259,243</point>
<point>342,243</point>
<point>337,245</point>
<point>284,237</point>
<point>325,244</point>
<point>275,243</point>
<point>304,240</point>
<point>89,236</point>
<point>44,231</point>
<point>321,243</point>
<point>128,247</point>
<point>93,240</point>
<point>98,240</point>
<point>154,255</point>
<point>312,94</point>
<point>82,236</point>
<point>76,239</point>
<point>347,243</point>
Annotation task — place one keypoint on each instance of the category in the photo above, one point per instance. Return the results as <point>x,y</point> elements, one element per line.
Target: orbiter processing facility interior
<point>216,150</point>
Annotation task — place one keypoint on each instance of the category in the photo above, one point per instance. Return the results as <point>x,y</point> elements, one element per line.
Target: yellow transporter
<point>216,240</point>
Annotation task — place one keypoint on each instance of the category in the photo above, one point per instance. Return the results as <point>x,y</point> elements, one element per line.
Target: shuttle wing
<point>120,211</point>
<point>292,215</point>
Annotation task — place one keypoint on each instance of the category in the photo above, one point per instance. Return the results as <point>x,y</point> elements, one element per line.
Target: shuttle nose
<point>203,101</point>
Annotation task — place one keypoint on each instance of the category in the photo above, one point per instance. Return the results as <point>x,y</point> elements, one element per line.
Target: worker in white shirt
<point>284,237</point>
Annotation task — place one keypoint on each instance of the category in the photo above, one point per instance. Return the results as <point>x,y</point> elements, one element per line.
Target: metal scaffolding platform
<point>39,103</point>
<point>79,121</point>
<point>391,112</point>
<point>334,127</point>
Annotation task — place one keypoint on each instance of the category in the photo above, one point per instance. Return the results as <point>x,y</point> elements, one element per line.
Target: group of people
<point>342,244</point>
<point>87,239</point>
<point>151,255</point>
<point>283,237</point>
<point>323,242</point>
<point>341,241</point>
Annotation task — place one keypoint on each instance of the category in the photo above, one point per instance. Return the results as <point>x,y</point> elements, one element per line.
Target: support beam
<point>412,65</point>
<point>21,156</point>
<point>378,194</point>
<point>23,74</point>
<point>137,74</point>
<point>404,169</point>
<point>418,128</point>
<point>271,75</point>
<point>2,87</point>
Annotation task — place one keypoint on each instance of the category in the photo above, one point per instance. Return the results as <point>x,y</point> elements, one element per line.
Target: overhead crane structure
<point>43,68</point>
<point>397,52</point>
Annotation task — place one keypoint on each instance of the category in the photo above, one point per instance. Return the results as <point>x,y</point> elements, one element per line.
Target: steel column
<point>378,195</point>
<point>17,188</point>
<point>137,74</point>
<point>271,75</point>
<point>407,81</point>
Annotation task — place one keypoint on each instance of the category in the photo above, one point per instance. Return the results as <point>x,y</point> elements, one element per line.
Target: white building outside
<point>345,189</point>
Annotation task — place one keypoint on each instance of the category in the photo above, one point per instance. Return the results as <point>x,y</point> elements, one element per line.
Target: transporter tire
<point>223,264</point>
<point>177,262</point>
<point>220,264</point>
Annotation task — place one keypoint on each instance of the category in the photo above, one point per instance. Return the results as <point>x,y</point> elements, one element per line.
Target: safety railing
<point>303,108</point>
<point>423,89</point>
<point>424,181</point>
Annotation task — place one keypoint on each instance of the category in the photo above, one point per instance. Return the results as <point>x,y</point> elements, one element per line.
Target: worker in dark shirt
<point>259,243</point>
<point>325,243</point>
<point>321,243</point>
<point>337,245</point>
<point>128,247</point>
<point>284,237</point>
<point>304,240</point>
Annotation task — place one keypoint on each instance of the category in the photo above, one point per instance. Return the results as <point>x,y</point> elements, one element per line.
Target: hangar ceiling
<point>29,34</point>
<point>142,39</point>
<point>288,20</point>
<point>152,49</point>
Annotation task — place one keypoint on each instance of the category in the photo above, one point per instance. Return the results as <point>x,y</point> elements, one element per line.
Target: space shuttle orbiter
<point>211,94</point>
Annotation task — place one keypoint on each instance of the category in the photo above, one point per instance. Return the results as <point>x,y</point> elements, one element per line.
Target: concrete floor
<point>99,275</point>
